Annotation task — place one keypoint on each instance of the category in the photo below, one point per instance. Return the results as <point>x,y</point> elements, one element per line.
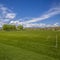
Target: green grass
<point>29,45</point>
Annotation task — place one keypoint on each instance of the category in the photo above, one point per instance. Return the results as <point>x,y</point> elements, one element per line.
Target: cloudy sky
<point>30,13</point>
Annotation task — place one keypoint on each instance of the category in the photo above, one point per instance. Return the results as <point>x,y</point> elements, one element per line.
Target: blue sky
<point>30,13</point>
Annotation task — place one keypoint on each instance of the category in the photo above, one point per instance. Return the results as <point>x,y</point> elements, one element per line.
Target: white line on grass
<point>56,45</point>
<point>56,40</point>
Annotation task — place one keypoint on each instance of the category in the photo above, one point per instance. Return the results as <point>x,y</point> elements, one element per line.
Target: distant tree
<point>20,27</point>
<point>9,27</point>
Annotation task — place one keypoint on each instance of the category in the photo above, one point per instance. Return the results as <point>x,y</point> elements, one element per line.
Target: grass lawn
<point>29,45</point>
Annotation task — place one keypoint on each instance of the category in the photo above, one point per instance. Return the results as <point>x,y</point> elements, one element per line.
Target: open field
<point>30,45</point>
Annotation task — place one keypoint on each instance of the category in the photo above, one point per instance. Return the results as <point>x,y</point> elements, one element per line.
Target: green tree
<point>20,27</point>
<point>9,27</point>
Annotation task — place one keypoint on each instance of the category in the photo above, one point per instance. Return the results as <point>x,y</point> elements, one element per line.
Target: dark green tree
<point>9,27</point>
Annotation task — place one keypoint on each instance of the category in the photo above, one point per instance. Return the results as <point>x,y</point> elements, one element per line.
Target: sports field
<point>30,45</point>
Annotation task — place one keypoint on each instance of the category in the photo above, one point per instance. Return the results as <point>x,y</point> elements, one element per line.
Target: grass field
<point>29,45</point>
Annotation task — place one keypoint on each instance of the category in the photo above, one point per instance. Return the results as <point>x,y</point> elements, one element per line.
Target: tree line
<point>9,27</point>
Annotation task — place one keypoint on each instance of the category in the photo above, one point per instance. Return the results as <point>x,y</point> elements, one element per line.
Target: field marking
<point>56,45</point>
<point>56,40</point>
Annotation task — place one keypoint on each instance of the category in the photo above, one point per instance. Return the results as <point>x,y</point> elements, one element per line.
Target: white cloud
<point>41,25</point>
<point>28,25</point>
<point>34,24</point>
<point>56,24</point>
<point>51,12</point>
<point>10,15</point>
<point>3,9</point>
<point>6,13</point>
<point>15,22</point>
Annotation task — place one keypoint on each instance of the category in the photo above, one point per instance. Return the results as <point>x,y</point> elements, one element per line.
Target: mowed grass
<point>29,45</point>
